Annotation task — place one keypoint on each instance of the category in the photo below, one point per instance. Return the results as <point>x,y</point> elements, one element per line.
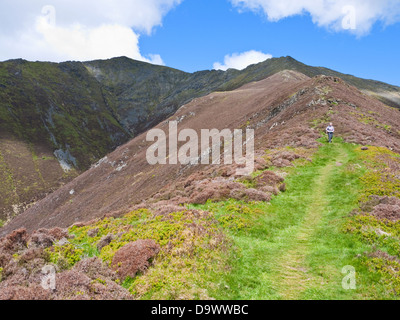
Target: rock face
<point>134,257</point>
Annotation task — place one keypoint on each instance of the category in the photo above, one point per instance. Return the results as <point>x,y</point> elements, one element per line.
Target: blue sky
<point>194,35</point>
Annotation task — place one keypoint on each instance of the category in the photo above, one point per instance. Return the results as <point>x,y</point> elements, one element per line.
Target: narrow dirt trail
<point>292,277</point>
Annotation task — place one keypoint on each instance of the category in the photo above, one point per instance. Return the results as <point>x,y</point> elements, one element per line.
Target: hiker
<point>330,130</point>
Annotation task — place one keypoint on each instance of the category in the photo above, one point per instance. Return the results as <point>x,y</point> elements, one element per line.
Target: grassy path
<point>297,250</point>
<point>292,272</point>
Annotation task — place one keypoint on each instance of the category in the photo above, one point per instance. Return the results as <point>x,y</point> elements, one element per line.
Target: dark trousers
<point>330,136</point>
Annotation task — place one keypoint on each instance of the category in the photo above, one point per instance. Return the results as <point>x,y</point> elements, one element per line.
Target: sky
<point>359,37</point>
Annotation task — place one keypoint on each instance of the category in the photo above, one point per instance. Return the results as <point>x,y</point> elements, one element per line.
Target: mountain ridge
<point>286,109</point>
<point>126,229</point>
<point>66,116</point>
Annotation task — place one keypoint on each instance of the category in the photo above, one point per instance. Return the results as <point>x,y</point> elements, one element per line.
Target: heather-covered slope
<point>387,93</point>
<point>67,116</point>
<point>293,229</point>
<point>28,172</point>
<point>125,177</point>
<point>287,109</point>
<point>87,109</point>
<point>54,121</point>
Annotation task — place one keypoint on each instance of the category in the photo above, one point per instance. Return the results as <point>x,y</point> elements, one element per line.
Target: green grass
<point>7,184</point>
<point>191,255</point>
<point>296,248</point>
<point>293,248</point>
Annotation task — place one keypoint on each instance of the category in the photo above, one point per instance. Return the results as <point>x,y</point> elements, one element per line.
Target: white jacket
<point>330,129</point>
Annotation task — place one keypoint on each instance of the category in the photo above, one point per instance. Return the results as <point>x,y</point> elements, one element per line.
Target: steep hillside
<point>387,93</point>
<point>287,109</point>
<point>60,106</point>
<point>310,216</point>
<point>28,172</point>
<point>65,117</point>
<point>53,121</point>
<point>145,94</point>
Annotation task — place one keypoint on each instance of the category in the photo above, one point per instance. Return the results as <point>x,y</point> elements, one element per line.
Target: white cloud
<point>330,14</point>
<point>241,61</point>
<point>78,30</point>
<point>79,42</point>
